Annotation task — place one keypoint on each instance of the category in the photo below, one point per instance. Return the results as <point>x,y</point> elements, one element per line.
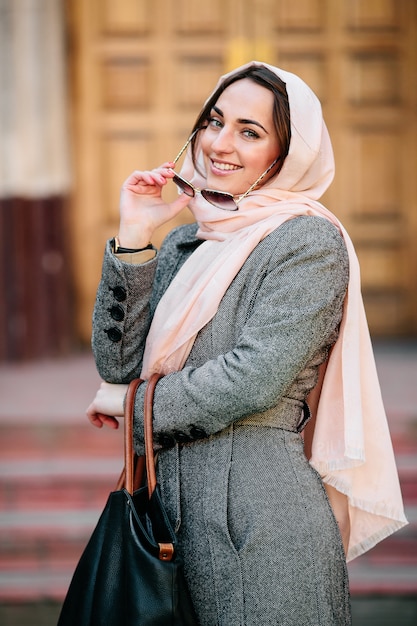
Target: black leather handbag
<point>129,573</point>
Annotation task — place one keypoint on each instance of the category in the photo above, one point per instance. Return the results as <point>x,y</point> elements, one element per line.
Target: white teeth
<point>225,166</point>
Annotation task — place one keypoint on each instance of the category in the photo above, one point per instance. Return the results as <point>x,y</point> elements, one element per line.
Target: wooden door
<point>141,70</point>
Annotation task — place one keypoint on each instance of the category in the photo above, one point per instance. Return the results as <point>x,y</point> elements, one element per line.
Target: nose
<point>223,141</point>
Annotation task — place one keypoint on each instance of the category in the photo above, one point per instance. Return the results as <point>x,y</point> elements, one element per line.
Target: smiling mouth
<point>225,167</point>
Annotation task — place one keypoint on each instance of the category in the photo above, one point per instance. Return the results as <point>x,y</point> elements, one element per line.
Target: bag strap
<point>148,428</point>
<point>166,550</point>
<point>128,475</point>
<point>129,469</point>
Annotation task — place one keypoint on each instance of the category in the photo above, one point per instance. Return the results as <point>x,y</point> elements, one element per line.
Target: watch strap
<point>118,249</point>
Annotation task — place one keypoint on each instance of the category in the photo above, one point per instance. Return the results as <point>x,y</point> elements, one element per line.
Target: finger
<point>109,421</point>
<point>99,420</point>
<point>138,179</point>
<point>169,173</point>
<point>95,419</point>
<point>153,178</point>
<point>134,178</point>
<point>180,203</point>
<point>138,176</point>
<point>167,169</point>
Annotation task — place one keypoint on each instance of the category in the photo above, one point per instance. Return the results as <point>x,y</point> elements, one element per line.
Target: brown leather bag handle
<point>127,478</point>
<point>166,550</point>
<point>148,428</point>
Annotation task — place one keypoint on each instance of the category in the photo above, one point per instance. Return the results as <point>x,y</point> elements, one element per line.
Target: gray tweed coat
<point>258,538</point>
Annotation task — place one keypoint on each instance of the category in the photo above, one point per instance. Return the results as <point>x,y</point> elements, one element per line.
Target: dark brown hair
<point>281,108</point>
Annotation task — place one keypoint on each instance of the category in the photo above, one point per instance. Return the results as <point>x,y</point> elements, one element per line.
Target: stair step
<point>58,467</point>
<point>39,551</point>
<point>48,484</point>
<point>48,510</point>
<point>28,585</point>
<point>391,566</point>
<point>43,440</point>
<point>56,471</point>
<point>43,538</point>
<point>398,580</point>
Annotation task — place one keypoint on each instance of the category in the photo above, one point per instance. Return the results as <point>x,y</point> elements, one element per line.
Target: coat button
<point>114,334</point>
<point>166,441</point>
<point>117,312</point>
<point>198,433</point>
<point>182,437</point>
<point>119,293</point>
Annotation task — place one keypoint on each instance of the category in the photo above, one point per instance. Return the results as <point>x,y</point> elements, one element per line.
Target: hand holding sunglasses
<point>142,207</point>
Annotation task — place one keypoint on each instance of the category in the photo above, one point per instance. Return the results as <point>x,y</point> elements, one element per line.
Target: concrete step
<point>55,477</point>
<point>390,568</point>
<point>39,552</point>
<point>35,440</point>
<point>48,510</point>
<point>49,507</point>
<point>56,471</point>
<point>48,484</point>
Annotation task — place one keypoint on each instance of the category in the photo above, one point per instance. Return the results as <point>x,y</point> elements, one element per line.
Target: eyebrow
<point>241,120</point>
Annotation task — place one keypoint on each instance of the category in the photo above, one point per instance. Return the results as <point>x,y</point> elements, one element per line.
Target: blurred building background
<point>92,89</point>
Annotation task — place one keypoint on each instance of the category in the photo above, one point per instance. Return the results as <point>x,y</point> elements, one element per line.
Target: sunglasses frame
<point>222,194</point>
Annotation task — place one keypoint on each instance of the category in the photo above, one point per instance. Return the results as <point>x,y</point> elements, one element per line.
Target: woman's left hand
<point>107,405</point>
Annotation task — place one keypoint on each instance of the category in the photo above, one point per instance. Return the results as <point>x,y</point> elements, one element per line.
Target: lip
<point>223,172</point>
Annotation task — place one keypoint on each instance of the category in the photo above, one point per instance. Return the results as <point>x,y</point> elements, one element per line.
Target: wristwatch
<point>118,249</point>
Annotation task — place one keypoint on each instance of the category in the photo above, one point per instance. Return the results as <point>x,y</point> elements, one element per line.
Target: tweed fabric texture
<point>259,540</point>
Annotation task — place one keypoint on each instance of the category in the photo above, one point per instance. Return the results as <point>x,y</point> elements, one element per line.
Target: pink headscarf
<point>351,447</point>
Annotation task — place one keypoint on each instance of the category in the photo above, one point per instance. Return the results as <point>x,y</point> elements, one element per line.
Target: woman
<point>239,311</point>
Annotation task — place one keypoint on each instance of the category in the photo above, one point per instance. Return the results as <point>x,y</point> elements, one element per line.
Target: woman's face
<point>240,142</point>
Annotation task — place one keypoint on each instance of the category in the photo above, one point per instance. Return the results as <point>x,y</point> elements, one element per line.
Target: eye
<point>214,122</point>
<point>250,134</point>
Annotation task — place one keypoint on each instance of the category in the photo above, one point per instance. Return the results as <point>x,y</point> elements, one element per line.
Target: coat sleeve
<point>296,309</point>
<point>121,317</point>
<point>126,298</point>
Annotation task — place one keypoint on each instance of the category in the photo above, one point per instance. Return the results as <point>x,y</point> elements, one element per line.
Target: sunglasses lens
<point>220,200</point>
<point>183,185</point>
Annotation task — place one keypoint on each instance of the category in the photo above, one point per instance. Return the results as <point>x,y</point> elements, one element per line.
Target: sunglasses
<point>219,199</point>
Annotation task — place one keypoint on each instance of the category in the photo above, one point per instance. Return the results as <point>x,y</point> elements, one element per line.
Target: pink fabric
<point>352,448</point>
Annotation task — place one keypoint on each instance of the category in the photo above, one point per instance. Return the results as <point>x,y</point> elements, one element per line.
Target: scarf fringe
<point>395,518</point>
<point>363,546</point>
<point>374,508</point>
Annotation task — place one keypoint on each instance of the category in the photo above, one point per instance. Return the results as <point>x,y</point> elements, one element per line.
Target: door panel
<point>141,71</point>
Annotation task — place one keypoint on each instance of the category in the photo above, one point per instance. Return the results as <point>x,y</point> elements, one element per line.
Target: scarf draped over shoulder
<point>351,447</point>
